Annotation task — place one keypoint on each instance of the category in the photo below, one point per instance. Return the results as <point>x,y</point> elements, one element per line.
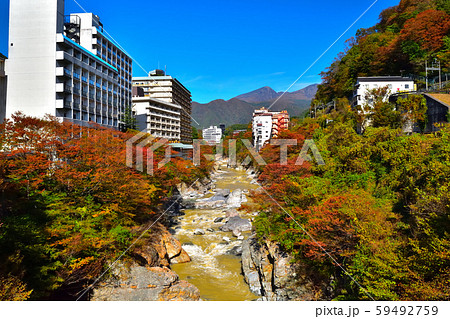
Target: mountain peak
<point>265,93</point>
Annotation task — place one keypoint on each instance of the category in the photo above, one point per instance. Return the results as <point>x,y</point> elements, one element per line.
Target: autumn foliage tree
<point>69,202</point>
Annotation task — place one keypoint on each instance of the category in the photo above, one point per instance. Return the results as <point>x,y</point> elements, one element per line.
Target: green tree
<point>129,119</point>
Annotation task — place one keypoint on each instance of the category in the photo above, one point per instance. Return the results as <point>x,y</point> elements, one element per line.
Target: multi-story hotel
<point>160,86</point>
<point>267,125</point>
<point>65,65</point>
<point>212,135</point>
<point>2,88</point>
<point>157,117</point>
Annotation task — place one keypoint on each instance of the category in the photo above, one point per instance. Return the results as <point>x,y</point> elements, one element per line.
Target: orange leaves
<point>428,29</point>
<point>342,222</point>
<point>81,262</point>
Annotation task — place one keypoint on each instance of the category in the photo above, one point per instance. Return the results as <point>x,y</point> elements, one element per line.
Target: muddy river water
<point>214,270</point>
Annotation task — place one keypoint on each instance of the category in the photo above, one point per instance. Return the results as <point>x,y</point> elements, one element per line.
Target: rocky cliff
<point>272,275</point>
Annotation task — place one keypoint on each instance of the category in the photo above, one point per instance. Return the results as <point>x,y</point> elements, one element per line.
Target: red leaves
<point>428,29</point>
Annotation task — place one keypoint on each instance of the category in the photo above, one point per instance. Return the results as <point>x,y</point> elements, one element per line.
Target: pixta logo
<point>142,143</point>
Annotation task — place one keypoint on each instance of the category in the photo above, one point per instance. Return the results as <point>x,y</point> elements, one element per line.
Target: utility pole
<point>435,66</point>
<point>440,80</point>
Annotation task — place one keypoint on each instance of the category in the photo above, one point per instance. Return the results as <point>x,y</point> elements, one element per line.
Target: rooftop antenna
<point>165,69</point>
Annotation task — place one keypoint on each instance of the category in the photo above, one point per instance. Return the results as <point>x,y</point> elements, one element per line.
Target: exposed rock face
<point>138,283</point>
<point>270,274</point>
<point>194,191</point>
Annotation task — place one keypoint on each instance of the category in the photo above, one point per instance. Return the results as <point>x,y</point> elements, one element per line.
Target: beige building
<point>158,85</point>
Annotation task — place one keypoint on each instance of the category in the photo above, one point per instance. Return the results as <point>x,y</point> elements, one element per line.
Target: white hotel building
<point>212,135</point>
<point>157,117</point>
<point>158,85</point>
<point>267,125</point>
<point>65,66</point>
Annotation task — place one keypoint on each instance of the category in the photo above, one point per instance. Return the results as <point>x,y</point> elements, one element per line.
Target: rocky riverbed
<point>212,232</point>
<point>208,251</point>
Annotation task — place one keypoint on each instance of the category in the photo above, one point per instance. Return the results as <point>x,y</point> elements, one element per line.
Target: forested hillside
<point>406,36</point>
<point>380,206</point>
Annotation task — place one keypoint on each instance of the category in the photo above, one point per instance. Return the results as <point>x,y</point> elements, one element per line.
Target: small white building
<point>395,84</point>
<point>364,85</point>
<point>212,135</point>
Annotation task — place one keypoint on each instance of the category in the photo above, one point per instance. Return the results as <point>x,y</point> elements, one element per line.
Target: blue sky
<point>220,49</point>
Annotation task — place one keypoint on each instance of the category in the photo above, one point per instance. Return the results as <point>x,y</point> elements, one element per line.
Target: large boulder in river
<point>209,204</point>
<point>223,192</point>
<point>235,199</point>
<point>137,283</point>
<point>182,258</point>
<point>236,224</point>
<point>160,249</point>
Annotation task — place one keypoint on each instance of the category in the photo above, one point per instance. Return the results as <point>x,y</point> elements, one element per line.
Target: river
<point>214,270</point>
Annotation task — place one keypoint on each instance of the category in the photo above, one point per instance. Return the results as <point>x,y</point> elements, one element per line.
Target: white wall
<point>394,87</point>
<point>265,128</point>
<point>31,66</point>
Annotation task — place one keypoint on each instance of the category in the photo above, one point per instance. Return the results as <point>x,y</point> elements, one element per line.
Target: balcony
<point>63,72</point>
<point>76,105</point>
<point>68,104</point>
<point>64,57</point>
<point>68,89</point>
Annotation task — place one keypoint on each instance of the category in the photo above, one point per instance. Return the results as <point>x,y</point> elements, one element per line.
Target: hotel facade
<point>267,125</point>
<point>158,85</point>
<point>65,66</point>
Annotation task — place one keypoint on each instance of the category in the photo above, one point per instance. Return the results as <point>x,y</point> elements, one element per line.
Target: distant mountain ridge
<point>267,93</point>
<point>263,94</point>
<point>239,110</point>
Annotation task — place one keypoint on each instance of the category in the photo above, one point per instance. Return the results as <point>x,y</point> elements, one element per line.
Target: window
<point>406,86</point>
